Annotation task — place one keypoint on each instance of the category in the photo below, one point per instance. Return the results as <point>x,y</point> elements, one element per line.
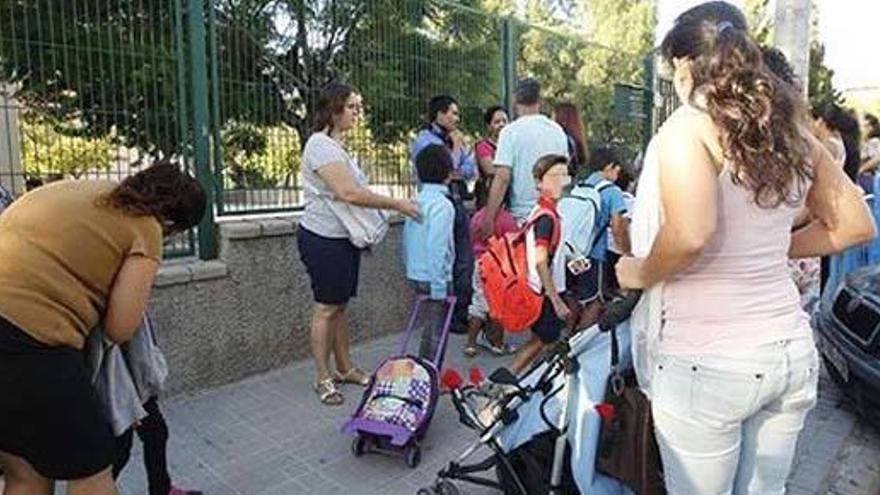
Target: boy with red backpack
<point>546,271</point>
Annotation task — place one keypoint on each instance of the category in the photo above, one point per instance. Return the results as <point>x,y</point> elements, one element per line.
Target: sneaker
<point>498,351</point>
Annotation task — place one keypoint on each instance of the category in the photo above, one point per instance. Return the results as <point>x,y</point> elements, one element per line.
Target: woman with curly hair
<point>733,368</point>
<point>75,255</point>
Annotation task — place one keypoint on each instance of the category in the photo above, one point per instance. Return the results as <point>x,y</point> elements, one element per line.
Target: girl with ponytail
<point>733,371</point>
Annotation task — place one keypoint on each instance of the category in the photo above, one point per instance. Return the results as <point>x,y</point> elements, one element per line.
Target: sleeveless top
<point>739,293</point>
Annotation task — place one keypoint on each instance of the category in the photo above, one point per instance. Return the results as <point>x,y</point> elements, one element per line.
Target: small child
<point>478,311</point>
<point>586,289</point>
<point>428,244</point>
<point>548,274</point>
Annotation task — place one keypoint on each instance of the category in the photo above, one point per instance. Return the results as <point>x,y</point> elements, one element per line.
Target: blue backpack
<point>579,212</point>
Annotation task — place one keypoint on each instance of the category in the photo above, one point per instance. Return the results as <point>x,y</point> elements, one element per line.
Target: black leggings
<point>153,432</point>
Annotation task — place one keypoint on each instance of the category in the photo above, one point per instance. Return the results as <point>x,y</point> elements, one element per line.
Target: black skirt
<point>49,413</point>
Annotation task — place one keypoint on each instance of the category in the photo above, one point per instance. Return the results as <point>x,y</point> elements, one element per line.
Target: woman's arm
<point>342,183</point>
<point>689,197</point>
<point>841,218</point>
<point>487,165</point>
<point>485,159</point>
<point>128,297</point>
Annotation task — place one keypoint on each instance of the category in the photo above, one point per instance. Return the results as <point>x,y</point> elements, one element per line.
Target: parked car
<point>847,324</point>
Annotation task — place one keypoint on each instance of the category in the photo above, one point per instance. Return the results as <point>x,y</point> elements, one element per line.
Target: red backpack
<point>505,274</point>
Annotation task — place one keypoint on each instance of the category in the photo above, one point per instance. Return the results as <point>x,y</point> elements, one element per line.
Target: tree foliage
<point>121,70</point>
<point>605,45</point>
<point>821,77</point>
<point>52,149</point>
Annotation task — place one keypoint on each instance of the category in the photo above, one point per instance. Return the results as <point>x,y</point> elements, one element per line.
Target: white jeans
<point>729,424</point>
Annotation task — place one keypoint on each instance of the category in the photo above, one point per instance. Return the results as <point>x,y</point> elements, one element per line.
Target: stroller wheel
<point>359,446</point>
<point>412,455</point>
<point>446,487</point>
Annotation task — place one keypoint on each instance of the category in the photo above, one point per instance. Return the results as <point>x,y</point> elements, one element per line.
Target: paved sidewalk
<point>268,435</point>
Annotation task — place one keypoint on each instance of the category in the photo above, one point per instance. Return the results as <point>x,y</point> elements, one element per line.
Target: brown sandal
<point>327,392</point>
<point>355,376</point>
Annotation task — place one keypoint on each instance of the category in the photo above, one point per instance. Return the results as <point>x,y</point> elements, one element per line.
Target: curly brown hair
<point>163,191</point>
<point>760,118</point>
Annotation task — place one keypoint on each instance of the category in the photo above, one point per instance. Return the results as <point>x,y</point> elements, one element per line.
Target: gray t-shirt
<point>322,150</point>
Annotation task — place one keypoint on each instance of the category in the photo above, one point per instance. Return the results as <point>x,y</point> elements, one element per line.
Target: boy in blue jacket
<point>428,245</point>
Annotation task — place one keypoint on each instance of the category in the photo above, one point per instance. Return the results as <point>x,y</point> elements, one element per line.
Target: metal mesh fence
<point>89,90</point>
<point>101,88</point>
<point>572,69</point>
<point>397,53</point>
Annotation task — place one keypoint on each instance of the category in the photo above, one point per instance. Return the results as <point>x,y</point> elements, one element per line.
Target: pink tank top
<point>739,294</point>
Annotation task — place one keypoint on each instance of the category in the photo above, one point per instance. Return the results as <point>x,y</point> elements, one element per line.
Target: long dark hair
<point>847,125</point>
<point>569,117</point>
<point>163,191</point>
<point>490,112</point>
<point>331,102</point>
<point>760,117</point>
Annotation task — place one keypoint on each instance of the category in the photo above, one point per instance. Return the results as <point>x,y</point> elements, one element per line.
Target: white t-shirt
<point>322,150</point>
<point>557,264</point>
<point>520,145</point>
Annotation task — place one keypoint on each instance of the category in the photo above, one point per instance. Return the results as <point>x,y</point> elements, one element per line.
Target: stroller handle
<point>619,309</point>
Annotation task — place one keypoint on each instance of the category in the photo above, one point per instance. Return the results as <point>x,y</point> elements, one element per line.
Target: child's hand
<point>562,310</point>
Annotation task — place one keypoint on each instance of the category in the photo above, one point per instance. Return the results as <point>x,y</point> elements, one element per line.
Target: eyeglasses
<point>557,174</point>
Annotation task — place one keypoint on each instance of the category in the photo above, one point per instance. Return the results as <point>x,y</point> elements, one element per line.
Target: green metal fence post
<point>215,111</point>
<point>650,87</point>
<point>508,60</point>
<point>199,91</point>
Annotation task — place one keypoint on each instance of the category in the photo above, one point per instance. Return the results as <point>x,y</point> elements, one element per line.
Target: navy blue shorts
<point>332,264</point>
<point>584,287</point>
<point>549,327</point>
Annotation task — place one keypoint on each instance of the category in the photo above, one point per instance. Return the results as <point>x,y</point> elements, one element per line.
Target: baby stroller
<point>400,400</point>
<point>538,406</point>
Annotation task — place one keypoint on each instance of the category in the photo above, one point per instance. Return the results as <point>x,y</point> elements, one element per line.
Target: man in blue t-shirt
<point>586,289</point>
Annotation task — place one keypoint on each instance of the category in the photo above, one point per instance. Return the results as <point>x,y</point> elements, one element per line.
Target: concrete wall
<point>249,311</point>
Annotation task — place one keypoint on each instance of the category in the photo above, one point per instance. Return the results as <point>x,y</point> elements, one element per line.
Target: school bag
<point>504,270</point>
<point>579,211</point>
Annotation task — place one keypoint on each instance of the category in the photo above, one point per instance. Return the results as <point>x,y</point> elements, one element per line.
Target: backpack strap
<point>599,187</point>
<point>556,236</point>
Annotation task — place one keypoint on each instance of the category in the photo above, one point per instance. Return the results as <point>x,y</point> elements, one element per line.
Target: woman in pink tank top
<point>736,368</point>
